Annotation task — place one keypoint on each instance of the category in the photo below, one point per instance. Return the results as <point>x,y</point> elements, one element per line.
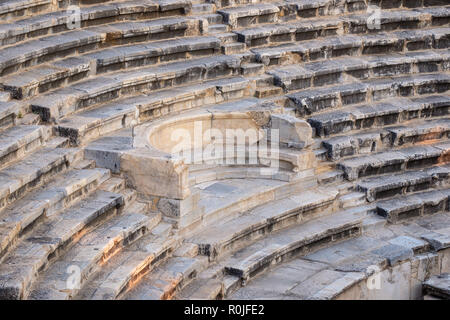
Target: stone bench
<point>15,8</point>
<point>59,194</point>
<point>63,102</point>
<point>47,77</point>
<point>367,142</point>
<point>34,170</point>
<point>379,114</point>
<point>383,42</point>
<point>391,185</point>
<point>165,281</point>
<point>78,41</point>
<point>299,240</point>
<point>130,265</point>
<point>18,141</point>
<point>19,268</point>
<point>322,27</point>
<point>244,16</point>
<point>260,221</point>
<point>59,21</point>
<point>91,124</point>
<point>334,71</point>
<point>415,205</point>
<point>438,286</point>
<point>391,161</point>
<point>94,250</point>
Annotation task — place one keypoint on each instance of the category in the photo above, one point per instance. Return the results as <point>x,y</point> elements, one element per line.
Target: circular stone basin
<point>197,132</point>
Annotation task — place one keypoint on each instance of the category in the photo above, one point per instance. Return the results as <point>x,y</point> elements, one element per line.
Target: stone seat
<point>310,101</point>
<point>391,161</point>
<point>47,201</point>
<point>59,21</point>
<point>390,136</point>
<point>289,31</point>
<point>295,241</point>
<point>335,46</point>
<point>438,286</point>
<point>321,27</point>
<point>91,124</point>
<point>20,140</point>
<point>243,16</point>
<point>19,268</point>
<point>380,114</point>
<point>8,113</point>
<point>209,173</point>
<point>166,280</point>
<point>261,221</point>
<point>418,204</point>
<point>338,70</point>
<point>93,250</point>
<point>16,8</point>
<point>46,77</point>
<point>37,51</point>
<point>34,170</point>
<point>390,185</point>
<point>130,265</point>
<point>65,101</point>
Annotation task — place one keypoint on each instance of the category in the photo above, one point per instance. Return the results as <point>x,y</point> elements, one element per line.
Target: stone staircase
<point>95,204</point>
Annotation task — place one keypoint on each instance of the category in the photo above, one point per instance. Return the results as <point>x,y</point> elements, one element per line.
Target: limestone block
<point>156,173</point>
<point>292,131</point>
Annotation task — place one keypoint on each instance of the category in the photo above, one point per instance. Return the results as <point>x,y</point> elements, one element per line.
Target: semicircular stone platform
<point>224,149</point>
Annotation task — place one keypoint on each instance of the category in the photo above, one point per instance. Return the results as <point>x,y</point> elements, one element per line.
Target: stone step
<point>382,187</point>
<point>8,114</point>
<point>202,289</point>
<point>92,251</point>
<point>63,102</point>
<point>59,21</point>
<point>31,255</point>
<point>226,37</point>
<point>203,8</point>
<point>290,31</point>
<point>123,271</point>
<point>18,141</point>
<point>243,16</point>
<point>366,142</point>
<point>217,28</point>
<point>393,161</point>
<point>214,18</point>
<point>415,205</point>
<point>248,69</point>
<point>47,201</point>
<point>260,221</point>
<point>232,48</point>
<point>338,70</point>
<point>268,91</point>
<point>87,125</point>
<point>438,286</point>
<point>5,96</point>
<point>34,170</point>
<point>15,8</point>
<point>379,114</point>
<point>37,51</point>
<point>353,45</point>
<point>43,78</point>
<point>202,174</point>
<point>310,101</point>
<point>299,240</point>
<point>166,280</point>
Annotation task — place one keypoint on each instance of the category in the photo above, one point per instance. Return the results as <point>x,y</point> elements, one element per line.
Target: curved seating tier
<point>96,201</point>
